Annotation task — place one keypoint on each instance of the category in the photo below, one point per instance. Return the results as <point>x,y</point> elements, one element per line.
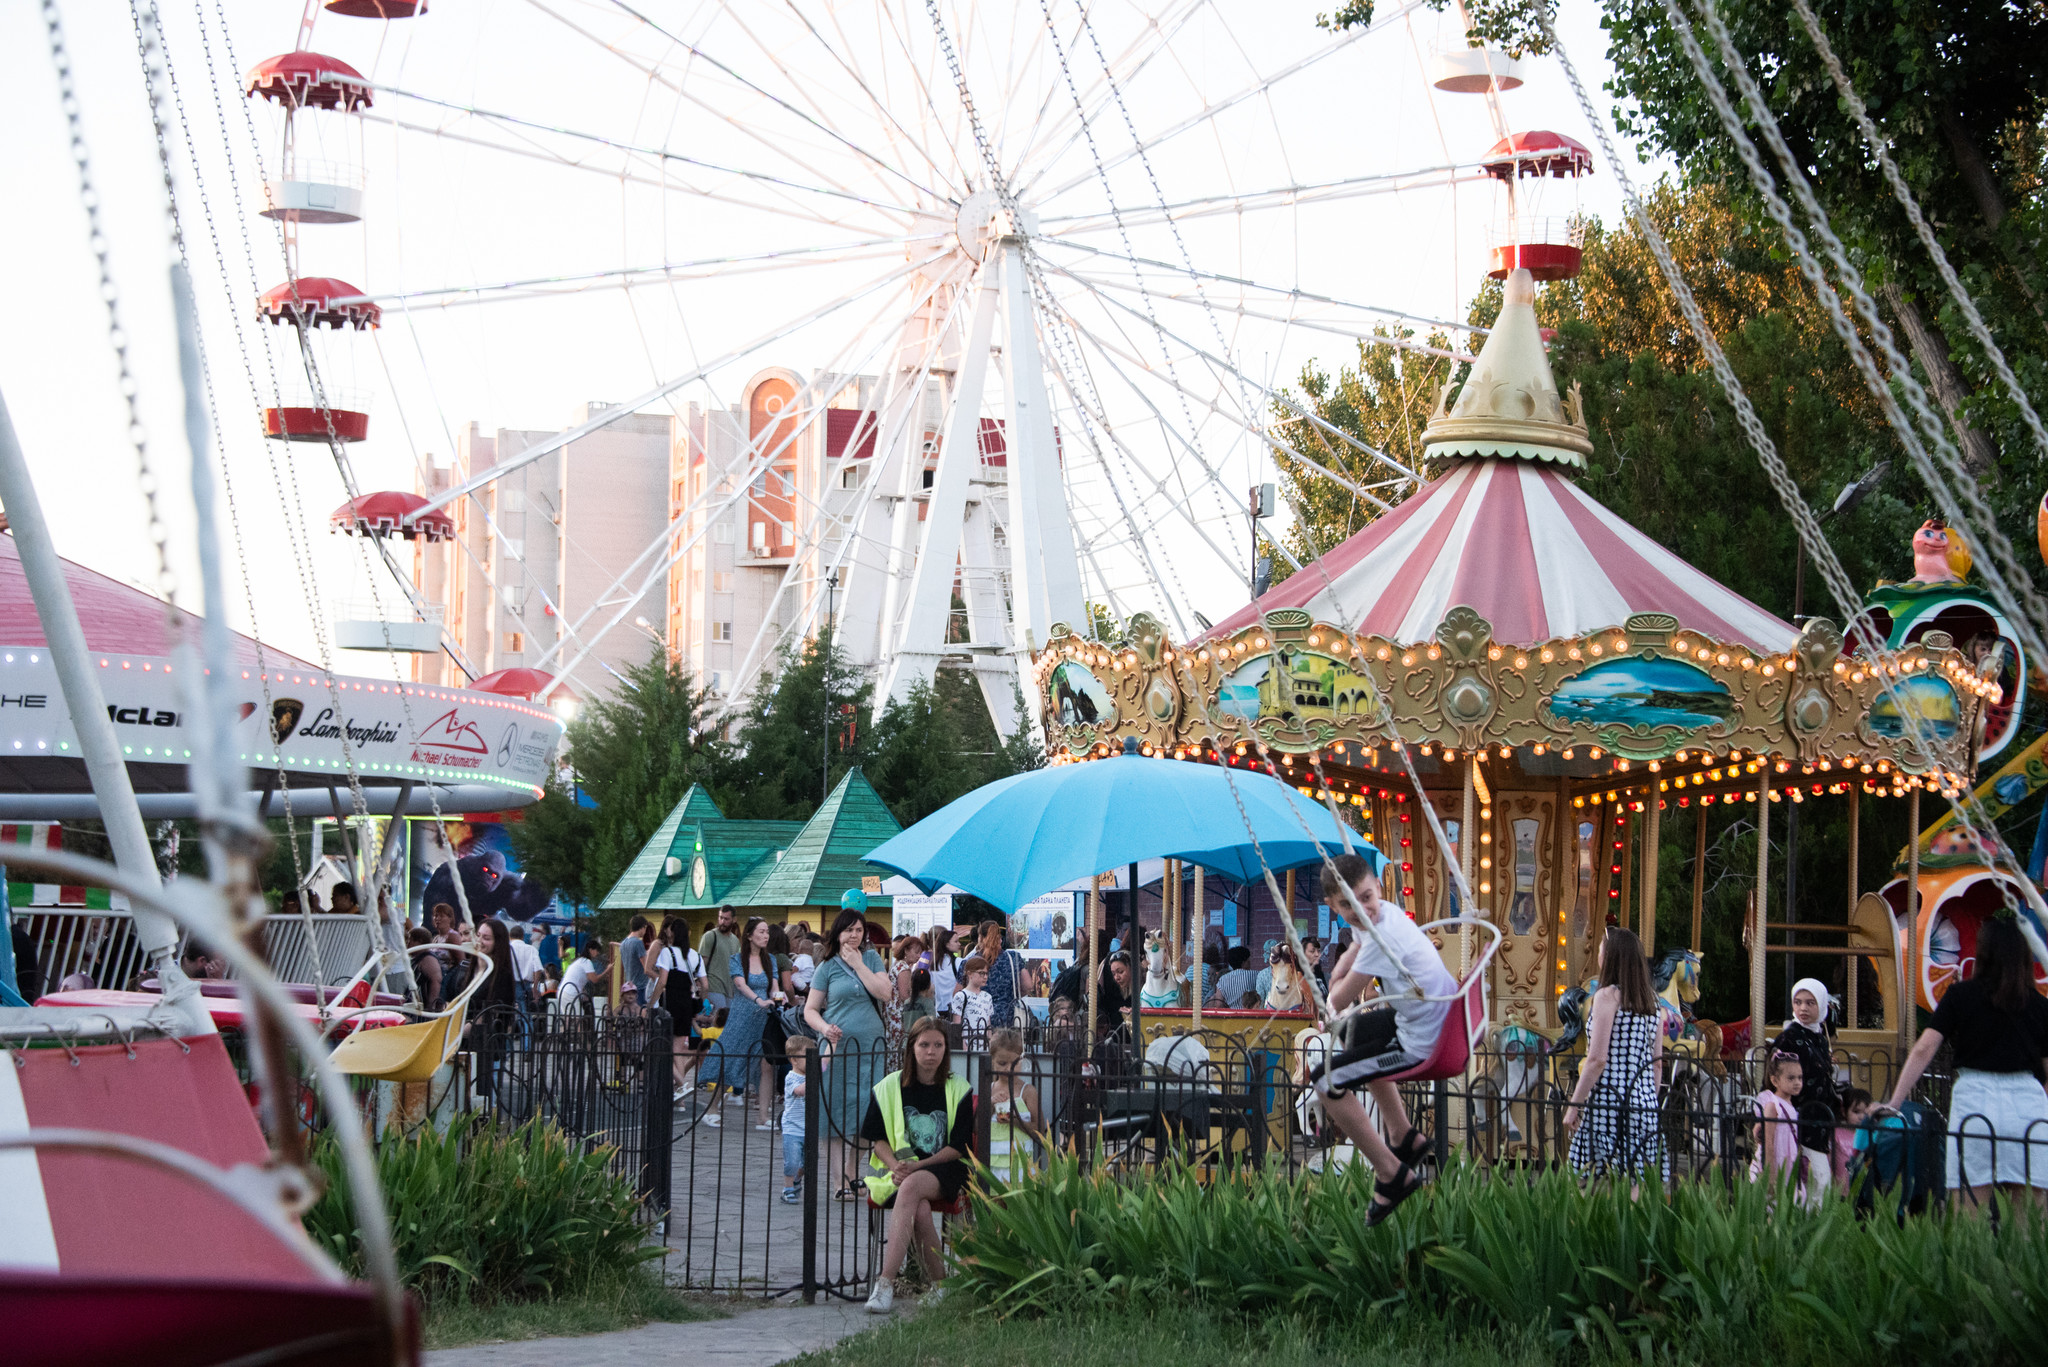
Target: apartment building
<point>544,556</point>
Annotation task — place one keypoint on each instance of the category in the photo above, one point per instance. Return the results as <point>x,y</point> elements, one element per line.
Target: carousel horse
<point>1160,990</point>
<point>1677,979</point>
<point>1522,1052</point>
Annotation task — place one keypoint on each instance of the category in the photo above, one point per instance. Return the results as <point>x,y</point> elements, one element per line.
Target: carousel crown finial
<point>1510,406</point>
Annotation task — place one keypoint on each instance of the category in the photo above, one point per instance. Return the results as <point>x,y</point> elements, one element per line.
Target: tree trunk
<point>1980,457</point>
<point>1970,165</point>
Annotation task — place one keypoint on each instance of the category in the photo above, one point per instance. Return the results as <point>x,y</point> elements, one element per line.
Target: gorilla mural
<point>491,890</point>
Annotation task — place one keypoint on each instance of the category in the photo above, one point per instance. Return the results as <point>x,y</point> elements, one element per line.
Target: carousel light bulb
<point>1521,662</point>
<point>1493,652</point>
<point>1594,649</point>
<point>1594,752</point>
<point>1407,658</point>
<point>1548,655</point>
<point>1538,747</point>
<point>1384,653</point>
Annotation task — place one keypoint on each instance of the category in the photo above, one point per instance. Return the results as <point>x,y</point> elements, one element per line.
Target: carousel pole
<point>1699,872</point>
<point>1564,827</point>
<point>1197,991</point>
<point>1756,934</point>
<point>1646,910</point>
<point>1169,929</point>
<point>1134,938</point>
<point>1468,842</point>
<point>1628,864</point>
<point>1907,963</point>
<point>1850,996</point>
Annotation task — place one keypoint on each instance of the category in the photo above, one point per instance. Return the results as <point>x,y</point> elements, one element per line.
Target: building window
<point>761,482</point>
<point>511,500</point>
<point>851,476</point>
<point>721,532</point>
<point>515,642</point>
<point>721,581</point>
<point>789,533</point>
<point>721,631</point>
<point>760,538</point>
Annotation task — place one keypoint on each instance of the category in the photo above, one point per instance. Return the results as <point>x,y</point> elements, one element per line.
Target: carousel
<point>1561,686</point>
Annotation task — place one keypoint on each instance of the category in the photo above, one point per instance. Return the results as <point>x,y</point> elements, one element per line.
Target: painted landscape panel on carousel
<point>1297,683</point>
<point>1079,697</point>
<point>1638,692</point>
<point>1932,701</point>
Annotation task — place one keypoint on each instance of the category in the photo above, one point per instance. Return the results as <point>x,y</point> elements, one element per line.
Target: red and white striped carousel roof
<point>1522,545</point>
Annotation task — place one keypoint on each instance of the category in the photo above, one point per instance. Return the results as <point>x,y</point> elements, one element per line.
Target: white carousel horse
<point>1160,990</point>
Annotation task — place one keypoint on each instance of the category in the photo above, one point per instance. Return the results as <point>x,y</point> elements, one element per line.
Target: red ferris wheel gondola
<point>385,513</point>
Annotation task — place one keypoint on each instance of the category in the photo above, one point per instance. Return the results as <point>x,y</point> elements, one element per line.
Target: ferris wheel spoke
<point>883,165</point>
<point>1279,197</point>
<point>1211,111</point>
<point>1159,486</point>
<point>1311,324</point>
<point>658,154</point>
<point>557,441</point>
<point>1263,390</point>
<point>739,483</point>
<point>716,267</point>
<point>806,91</point>
<point>1283,291</point>
<point>956,176</point>
<point>1068,124</point>
<point>1265,434</point>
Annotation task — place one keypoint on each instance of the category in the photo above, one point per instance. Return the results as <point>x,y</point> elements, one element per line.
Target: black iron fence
<point>751,1219</point>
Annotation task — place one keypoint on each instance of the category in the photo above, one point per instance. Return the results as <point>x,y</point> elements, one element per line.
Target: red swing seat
<point>1453,1049</point>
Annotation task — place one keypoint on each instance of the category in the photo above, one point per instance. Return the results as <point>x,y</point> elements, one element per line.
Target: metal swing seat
<point>1465,1027</point>
<point>415,1051</point>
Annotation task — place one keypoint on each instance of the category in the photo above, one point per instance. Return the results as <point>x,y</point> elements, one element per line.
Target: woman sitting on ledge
<point>921,1122</point>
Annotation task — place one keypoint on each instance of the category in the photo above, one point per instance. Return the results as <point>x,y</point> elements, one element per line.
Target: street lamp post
<point>825,678</point>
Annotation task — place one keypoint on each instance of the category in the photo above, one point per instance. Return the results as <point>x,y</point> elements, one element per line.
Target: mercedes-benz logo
<point>508,745</point>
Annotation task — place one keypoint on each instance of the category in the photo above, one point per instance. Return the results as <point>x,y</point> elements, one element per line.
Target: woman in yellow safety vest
<point>921,1122</point>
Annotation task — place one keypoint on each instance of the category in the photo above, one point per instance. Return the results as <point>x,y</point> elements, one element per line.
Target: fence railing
<point>1227,1108</point>
<point>101,946</point>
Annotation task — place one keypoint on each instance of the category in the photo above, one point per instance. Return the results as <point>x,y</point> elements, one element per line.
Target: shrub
<point>1724,1276</point>
<point>489,1213</point>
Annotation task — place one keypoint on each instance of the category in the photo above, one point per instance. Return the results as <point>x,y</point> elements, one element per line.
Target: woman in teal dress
<point>847,1007</point>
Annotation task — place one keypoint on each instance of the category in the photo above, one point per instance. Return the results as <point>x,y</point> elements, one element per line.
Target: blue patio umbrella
<point>1014,839</point>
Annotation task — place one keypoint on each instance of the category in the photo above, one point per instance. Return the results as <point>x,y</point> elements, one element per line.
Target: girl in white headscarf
<point>1819,1105</point>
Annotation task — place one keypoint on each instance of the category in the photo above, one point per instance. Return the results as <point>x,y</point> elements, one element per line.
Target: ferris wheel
<point>986,316</point>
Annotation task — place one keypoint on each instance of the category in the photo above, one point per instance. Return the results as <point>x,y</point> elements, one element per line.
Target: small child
<point>972,1005</point>
<point>1851,1138</point>
<point>1017,1122</point>
<point>1777,1128</point>
<point>799,1051</point>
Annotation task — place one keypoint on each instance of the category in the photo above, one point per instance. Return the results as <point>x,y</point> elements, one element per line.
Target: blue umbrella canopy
<point>1014,839</point>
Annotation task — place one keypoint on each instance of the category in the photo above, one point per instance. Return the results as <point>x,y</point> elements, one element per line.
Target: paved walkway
<point>749,1338</point>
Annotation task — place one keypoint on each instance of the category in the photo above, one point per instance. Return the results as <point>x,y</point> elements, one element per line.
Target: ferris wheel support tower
<point>955,543</point>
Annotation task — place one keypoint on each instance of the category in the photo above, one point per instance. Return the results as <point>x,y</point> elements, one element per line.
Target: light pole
<point>825,679</point>
<point>1853,493</point>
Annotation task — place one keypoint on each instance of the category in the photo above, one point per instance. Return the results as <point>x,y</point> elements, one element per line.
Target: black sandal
<point>1388,1195</point>
<point>1413,1148</point>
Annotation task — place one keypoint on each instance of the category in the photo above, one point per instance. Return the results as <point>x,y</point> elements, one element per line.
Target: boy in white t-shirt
<point>1379,1043</point>
<point>799,1051</point>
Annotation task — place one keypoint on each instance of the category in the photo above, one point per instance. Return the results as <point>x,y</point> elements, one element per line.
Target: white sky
<point>443,211</point>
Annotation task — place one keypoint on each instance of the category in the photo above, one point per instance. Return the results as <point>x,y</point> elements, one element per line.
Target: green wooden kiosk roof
<point>757,863</point>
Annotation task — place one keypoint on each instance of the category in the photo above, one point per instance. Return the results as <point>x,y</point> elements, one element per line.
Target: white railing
<point>102,946</point>
<point>1567,230</point>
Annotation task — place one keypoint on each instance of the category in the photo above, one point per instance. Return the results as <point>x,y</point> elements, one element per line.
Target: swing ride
<point>1040,363</point>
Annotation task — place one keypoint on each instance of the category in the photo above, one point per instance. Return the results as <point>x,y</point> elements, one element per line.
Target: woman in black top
<point>1806,1038</point>
<point>1998,1025</point>
<point>921,1122</point>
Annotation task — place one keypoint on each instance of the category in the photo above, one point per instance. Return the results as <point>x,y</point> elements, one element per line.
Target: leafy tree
<point>1960,92</point>
<point>1382,402</point>
<point>938,743</point>
<point>805,725</point>
<point>636,752</point>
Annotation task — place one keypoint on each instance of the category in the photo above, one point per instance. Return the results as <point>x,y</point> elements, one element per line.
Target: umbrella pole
<point>1094,951</point>
<point>1132,939</point>
<point>1199,947</point>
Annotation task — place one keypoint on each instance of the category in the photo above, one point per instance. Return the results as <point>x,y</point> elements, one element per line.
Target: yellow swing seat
<point>413,1052</point>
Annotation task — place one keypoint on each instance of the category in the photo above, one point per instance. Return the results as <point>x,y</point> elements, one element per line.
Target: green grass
<point>959,1334</point>
<point>1697,1275</point>
<point>624,1301</point>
